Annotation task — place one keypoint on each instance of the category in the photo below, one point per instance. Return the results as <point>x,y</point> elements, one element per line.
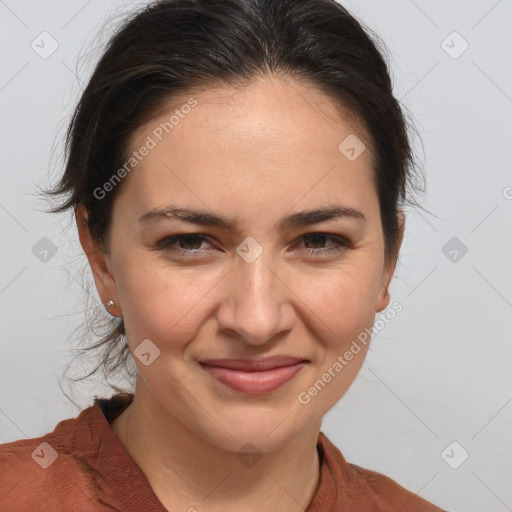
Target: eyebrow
<point>204,218</point>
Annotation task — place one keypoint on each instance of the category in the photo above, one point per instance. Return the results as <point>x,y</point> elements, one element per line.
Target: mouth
<point>254,376</point>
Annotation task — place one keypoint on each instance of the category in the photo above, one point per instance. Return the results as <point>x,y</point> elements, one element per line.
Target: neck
<point>205,476</point>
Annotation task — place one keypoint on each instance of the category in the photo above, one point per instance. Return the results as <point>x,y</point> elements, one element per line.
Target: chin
<point>267,431</point>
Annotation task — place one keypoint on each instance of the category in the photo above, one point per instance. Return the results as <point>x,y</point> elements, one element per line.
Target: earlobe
<point>98,259</point>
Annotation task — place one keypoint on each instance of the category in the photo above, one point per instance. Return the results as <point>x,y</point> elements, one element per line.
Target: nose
<point>255,305</point>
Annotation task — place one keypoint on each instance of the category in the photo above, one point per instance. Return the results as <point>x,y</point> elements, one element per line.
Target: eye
<point>190,243</point>
<point>340,243</point>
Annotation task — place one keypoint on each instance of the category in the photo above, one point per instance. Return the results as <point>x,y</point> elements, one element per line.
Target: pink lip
<point>254,376</point>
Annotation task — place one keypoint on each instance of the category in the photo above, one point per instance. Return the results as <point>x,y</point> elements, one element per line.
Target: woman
<point>236,169</point>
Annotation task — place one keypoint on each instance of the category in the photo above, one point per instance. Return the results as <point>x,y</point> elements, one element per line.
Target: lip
<point>254,376</point>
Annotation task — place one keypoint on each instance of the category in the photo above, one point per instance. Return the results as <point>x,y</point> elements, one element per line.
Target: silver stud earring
<point>109,304</point>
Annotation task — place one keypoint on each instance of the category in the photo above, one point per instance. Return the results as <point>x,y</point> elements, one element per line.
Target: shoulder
<point>375,490</point>
<point>391,492</point>
<point>47,472</point>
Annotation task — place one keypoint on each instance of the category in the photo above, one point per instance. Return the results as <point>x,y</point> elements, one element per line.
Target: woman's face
<point>261,286</point>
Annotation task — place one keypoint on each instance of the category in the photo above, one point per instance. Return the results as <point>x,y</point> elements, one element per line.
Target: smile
<point>254,377</point>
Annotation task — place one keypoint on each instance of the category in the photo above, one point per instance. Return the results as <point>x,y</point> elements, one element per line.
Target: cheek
<point>160,302</point>
<point>343,300</point>
<point>344,304</point>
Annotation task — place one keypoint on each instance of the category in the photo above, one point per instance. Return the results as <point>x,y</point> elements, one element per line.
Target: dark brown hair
<point>170,47</point>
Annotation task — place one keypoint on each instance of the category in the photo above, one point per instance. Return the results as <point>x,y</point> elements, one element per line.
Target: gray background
<point>438,373</point>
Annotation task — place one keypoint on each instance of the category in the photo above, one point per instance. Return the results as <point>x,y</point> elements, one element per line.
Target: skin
<point>253,155</point>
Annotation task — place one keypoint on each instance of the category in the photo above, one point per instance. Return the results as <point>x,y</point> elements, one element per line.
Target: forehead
<point>270,136</point>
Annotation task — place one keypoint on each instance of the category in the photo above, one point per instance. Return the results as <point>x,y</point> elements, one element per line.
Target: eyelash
<point>168,243</point>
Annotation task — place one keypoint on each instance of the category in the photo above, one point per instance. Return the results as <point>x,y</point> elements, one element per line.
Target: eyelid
<point>165,242</point>
<point>342,243</point>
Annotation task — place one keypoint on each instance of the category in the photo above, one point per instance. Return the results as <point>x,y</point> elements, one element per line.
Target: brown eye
<point>319,239</point>
<point>186,243</point>
<point>190,244</point>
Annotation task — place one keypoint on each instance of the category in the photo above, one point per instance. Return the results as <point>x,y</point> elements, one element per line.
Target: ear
<point>390,265</point>
<point>99,260</point>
